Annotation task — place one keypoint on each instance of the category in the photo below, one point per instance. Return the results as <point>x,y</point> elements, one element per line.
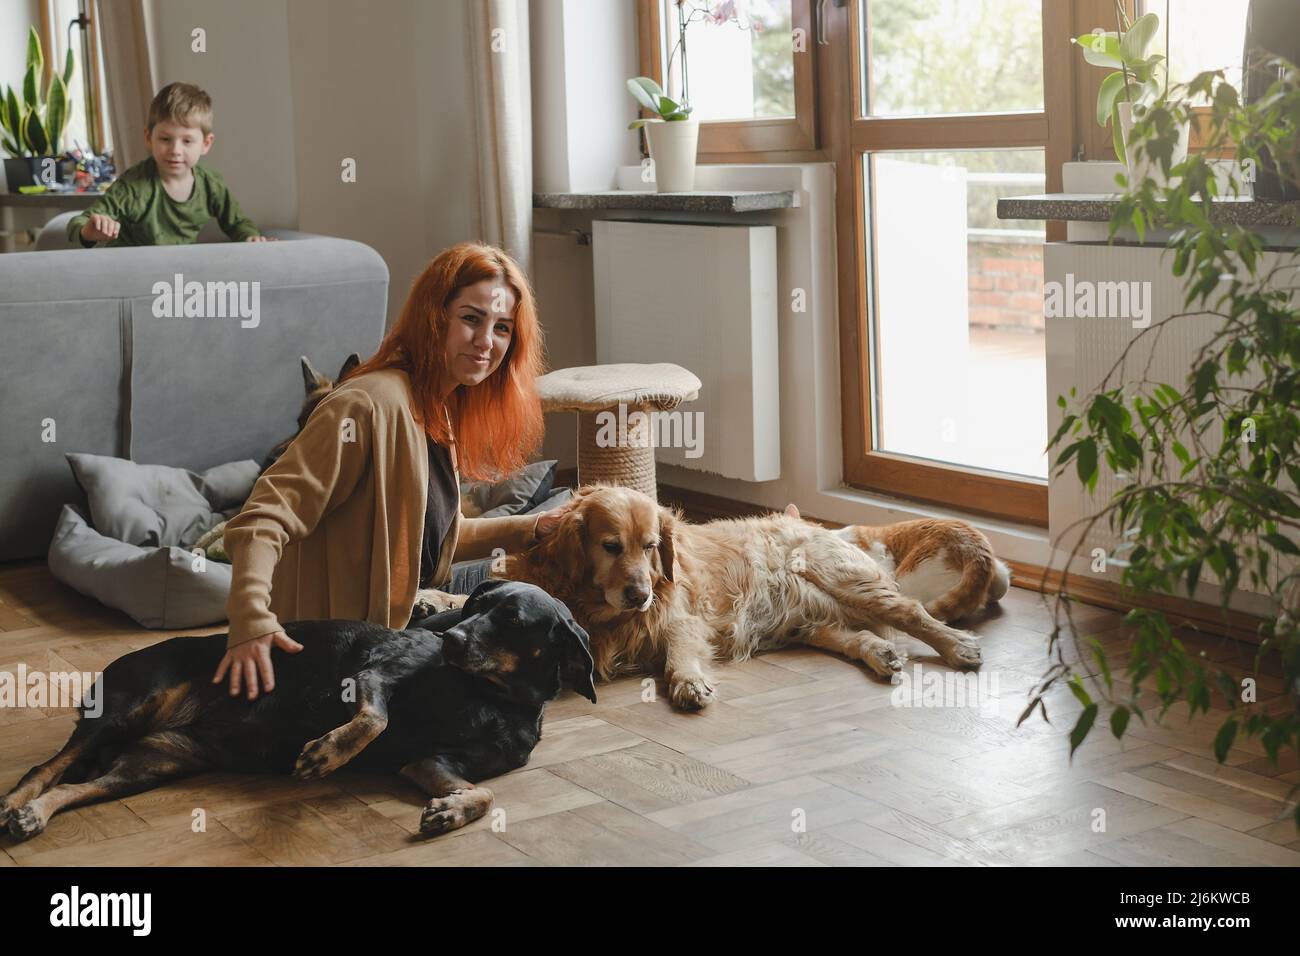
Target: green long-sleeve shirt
<point>150,217</point>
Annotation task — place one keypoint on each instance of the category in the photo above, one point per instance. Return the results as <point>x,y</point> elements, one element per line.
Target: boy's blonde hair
<point>182,103</point>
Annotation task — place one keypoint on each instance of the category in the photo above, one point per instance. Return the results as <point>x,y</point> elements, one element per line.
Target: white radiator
<point>702,296</point>
<point>1081,351</point>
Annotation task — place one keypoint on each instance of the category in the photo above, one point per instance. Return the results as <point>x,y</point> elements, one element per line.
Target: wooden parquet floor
<point>805,761</point>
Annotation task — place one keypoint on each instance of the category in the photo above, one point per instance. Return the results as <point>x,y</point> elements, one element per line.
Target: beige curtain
<point>129,75</point>
<point>503,118</point>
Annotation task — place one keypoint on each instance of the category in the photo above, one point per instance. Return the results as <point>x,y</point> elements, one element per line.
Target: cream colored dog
<point>658,594</point>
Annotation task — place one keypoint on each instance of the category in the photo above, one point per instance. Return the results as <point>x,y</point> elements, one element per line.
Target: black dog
<point>456,699</point>
<point>316,386</point>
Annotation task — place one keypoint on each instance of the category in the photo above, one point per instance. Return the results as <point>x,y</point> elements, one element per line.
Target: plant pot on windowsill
<point>1142,166</point>
<point>672,147</point>
<point>33,171</point>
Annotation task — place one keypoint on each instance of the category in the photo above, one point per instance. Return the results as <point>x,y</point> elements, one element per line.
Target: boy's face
<point>177,148</point>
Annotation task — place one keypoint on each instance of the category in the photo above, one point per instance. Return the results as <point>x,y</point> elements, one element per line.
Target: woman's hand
<point>548,521</point>
<point>247,661</point>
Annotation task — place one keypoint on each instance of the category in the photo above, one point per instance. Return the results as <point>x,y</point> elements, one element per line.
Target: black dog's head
<point>522,640</point>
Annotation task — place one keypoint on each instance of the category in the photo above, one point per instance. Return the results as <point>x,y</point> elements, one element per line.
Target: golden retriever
<point>658,594</point>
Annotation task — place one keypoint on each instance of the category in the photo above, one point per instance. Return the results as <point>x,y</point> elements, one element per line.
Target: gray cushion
<point>156,505</point>
<point>523,490</point>
<point>550,504</point>
<point>158,587</point>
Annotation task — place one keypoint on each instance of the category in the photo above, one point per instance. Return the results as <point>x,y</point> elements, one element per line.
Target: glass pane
<point>923,57</point>
<point>63,12</point>
<point>1206,35</point>
<point>739,57</point>
<point>958,355</point>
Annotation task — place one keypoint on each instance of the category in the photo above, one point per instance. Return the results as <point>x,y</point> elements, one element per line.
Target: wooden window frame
<point>1054,128</point>
<point>723,141</point>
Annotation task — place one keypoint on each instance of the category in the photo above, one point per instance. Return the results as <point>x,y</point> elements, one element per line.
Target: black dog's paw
<point>443,814</point>
<point>25,823</point>
<point>319,758</point>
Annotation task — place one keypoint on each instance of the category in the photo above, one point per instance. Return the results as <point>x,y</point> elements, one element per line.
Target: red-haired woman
<point>363,508</point>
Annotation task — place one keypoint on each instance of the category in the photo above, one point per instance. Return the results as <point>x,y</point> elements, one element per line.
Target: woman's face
<point>479,331</point>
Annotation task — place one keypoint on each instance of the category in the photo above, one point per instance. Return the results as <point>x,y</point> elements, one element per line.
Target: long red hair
<point>497,423</point>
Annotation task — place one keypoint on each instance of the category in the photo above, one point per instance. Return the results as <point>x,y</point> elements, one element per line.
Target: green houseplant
<point>32,123</point>
<point>1137,80</point>
<point>673,136</point>
<point>1208,468</point>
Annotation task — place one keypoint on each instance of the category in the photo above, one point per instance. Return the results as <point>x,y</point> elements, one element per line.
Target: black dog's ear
<point>349,363</point>
<point>667,556</point>
<point>311,379</point>
<point>577,664</point>
<point>481,591</point>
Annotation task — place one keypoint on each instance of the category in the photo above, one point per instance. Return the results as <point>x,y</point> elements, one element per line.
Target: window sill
<point>714,201</point>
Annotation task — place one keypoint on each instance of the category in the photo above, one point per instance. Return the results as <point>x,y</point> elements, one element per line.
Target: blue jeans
<point>467,575</point>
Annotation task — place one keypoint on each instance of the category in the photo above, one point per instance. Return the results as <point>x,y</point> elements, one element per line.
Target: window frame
<point>723,141</point>
<point>1053,129</point>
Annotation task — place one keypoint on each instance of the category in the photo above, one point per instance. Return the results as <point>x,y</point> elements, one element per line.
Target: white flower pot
<point>1143,167</point>
<point>672,147</point>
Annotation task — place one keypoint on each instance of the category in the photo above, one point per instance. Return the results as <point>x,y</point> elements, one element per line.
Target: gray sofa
<point>86,361</point>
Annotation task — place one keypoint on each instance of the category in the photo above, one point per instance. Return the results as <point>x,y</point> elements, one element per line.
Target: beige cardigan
<point>333,528</point>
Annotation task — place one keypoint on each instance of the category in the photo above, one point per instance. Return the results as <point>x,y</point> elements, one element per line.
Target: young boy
<point>167,198</point>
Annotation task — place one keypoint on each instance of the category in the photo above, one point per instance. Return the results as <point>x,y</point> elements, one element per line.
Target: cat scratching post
<point>615,445</point>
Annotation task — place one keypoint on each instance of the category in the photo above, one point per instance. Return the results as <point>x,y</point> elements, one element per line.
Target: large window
<point>949,113</point>
<point>1201,35</point>
<point>930,110</point>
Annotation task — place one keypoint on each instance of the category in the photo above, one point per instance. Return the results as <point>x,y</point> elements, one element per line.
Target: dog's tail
<point>1000,583</point>
<point>979,578</point>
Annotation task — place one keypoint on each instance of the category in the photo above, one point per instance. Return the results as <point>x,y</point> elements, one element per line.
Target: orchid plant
<point>650,94</point>
<point>1139,78</point>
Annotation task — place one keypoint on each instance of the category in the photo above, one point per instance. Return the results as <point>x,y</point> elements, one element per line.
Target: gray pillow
<point>523,490</point>
<point>551,503</point>
<point>156,505</point>
<point>158,587</point>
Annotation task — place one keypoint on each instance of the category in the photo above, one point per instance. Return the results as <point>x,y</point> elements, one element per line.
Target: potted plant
<point>1138,79</point>
<point>33,124</point>
<point>672,137</point>
<point>1207,469</point>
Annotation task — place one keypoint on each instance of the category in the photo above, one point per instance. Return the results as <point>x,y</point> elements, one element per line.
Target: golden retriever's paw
<point>430,601</point>
<point>883,658</point>
<point>964,652</point>
<point>691,693</point>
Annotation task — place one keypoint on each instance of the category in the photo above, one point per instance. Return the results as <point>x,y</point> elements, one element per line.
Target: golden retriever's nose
<point>635,595</point>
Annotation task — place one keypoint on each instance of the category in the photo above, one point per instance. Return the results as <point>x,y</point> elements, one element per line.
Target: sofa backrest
<point>94,357</point>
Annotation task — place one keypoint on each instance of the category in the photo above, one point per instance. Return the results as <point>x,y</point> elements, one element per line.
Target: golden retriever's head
<point>618,540</point>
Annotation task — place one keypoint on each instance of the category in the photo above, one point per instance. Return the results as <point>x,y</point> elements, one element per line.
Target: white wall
<point>583,53</point>
<point>386,84</point>
<point>300,85</point>
<point>15,18</point>
<point>246,72</point>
